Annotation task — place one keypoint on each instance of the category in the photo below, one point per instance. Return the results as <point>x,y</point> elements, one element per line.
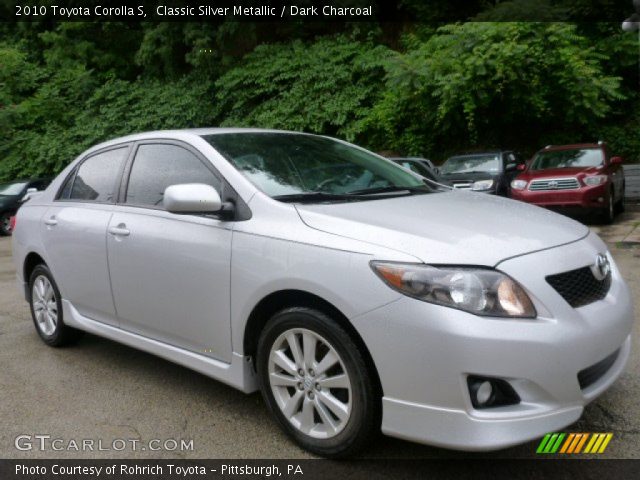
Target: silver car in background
<point>356,297</point>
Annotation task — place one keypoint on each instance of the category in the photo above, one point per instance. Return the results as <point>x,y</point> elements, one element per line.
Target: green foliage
<point>414,88</point>
<point>483,84</point>
<point>324,87</point>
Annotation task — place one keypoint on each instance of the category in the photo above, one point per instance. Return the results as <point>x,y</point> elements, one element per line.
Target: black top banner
<point>434,11</point>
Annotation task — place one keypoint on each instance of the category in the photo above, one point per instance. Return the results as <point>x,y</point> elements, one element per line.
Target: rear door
<point>170,273</point>
<point>74,232</point>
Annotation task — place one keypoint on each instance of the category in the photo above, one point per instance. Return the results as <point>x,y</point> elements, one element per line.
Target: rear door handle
<point>119,231</point>
<point>51,221</point>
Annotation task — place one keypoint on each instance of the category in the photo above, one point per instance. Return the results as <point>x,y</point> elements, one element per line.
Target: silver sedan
<point>356,295</point>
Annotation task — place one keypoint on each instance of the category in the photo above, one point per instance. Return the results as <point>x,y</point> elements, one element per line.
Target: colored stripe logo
<point>574,443</point>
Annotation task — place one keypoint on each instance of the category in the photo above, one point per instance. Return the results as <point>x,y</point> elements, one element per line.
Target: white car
<point>354,295</point>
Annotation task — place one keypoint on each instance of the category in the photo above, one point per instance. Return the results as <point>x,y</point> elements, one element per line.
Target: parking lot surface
<point>100,390</point>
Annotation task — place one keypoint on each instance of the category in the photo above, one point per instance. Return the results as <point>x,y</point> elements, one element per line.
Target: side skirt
<point>238,374</point>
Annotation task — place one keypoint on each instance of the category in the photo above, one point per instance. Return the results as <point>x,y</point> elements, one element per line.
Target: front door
<point>170,273</point>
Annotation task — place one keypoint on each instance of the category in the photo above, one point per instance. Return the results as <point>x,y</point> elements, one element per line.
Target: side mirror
<point>521,167</point>
<point>616,160</point>
<point>192,198</point>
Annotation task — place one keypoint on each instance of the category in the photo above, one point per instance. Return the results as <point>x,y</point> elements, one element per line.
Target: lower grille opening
<point>592,374</point>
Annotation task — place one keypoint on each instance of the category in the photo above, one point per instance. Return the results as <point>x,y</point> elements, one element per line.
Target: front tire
<point>620,207</point>
<point>5,224</point>
<point>608,213</point>
<point>46,309</point>
<point>316,383</point>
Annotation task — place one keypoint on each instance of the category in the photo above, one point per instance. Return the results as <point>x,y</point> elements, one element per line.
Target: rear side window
<point>158,166</point>
<point>95,180</point>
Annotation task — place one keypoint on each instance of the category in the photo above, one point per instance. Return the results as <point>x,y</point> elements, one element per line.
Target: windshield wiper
<point>389,189</point>
<point>313,197</point>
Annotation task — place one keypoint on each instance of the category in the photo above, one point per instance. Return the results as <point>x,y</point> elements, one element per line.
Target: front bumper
<point>585,197</point>
<point>426,398</point>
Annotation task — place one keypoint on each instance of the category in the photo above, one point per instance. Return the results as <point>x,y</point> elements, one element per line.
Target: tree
<point>326,87</point>
<point>493,84</point>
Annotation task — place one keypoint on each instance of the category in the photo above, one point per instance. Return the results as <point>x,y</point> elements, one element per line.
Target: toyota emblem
<point>601,268</point>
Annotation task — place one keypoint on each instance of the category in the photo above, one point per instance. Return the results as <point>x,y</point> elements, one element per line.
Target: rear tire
<point>330,411</point>
<point>46,309</point>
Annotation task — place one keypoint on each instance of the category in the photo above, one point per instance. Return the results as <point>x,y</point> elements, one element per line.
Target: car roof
<point>574,146</point>
<point>184,134</point>
<point>480,152</point>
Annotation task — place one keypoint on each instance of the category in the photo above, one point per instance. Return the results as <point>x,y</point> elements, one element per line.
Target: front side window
<point>282,164</point>
<point>96,178</point>
<point>158,166</point>
<point>579,157</point>
<point>12,189</point>
<point>472,164</point>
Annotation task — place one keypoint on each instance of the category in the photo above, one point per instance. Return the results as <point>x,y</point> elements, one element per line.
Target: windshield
<point>12,189</point>
<point>579,157</point>
<point>471,164</point>
<point>282,164</point>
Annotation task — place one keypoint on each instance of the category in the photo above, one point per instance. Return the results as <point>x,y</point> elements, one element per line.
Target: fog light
<point>486,392</point>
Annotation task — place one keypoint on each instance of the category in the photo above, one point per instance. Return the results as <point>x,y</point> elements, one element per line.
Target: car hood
<point>455,177</point>
<point>447,228</point>
<point>560,172</point>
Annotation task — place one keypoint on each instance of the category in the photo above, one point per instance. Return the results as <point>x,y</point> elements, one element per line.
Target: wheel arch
<point>279,300</point>
<point>31,261</point>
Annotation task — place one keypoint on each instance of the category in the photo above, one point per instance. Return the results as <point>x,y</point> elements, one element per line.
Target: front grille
<point>462,185</point>
<point>592,374</point>
<point>555,184</point>
<point>579,287</point>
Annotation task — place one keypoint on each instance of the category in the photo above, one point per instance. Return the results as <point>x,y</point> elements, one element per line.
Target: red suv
<point>574,178</point>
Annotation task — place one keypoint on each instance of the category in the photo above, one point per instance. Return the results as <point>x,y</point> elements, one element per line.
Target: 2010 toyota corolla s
<point>353,294</point>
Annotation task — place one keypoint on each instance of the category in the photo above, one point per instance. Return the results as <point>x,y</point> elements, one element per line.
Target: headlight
<point>518,184</point>
<point>595,180</point>
<point>482,185</point>
<point>479,291</point>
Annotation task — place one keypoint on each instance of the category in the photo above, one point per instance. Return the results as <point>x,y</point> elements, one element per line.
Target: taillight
<point>12,223</point>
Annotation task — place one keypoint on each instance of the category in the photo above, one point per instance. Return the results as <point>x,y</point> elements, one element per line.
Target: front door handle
<point>119,231</point>
<point>51,221</point>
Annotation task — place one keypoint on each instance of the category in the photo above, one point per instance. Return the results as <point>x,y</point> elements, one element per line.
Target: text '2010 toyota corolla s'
<point>355,295</point>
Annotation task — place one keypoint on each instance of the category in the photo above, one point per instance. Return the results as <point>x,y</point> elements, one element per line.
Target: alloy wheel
<point>45,305</point>
<point>310,383</point>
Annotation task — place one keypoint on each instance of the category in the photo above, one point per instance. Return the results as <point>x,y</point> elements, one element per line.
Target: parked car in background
<point>421,166</point>
<point>11,197</point>
<point>574,178</point>
<point>303,266</point>
<point>489,172</point>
